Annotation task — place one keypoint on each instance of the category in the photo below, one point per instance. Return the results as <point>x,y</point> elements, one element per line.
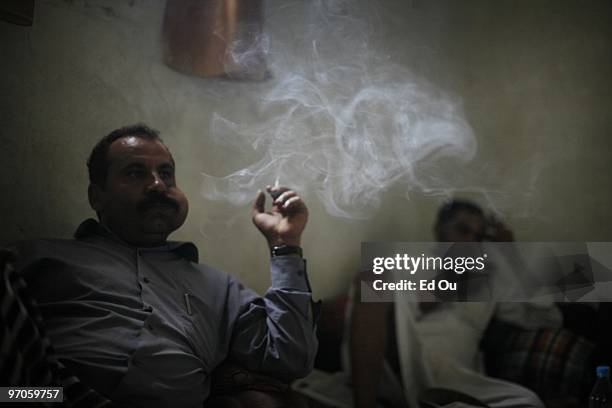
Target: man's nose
<point>156,183</point>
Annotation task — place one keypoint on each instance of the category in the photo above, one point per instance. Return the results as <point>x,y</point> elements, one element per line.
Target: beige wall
<point>535,78</point>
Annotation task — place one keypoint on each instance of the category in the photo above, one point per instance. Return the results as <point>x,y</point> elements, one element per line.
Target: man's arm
<point>276,334</point>
<point>368,336</point>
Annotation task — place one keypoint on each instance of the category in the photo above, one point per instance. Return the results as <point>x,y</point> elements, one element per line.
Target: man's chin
<point>161,221</point>
<point>159,226</point>
<point>160,209</point>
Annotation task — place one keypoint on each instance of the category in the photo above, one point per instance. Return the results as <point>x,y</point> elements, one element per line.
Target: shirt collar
<point>91,227</point>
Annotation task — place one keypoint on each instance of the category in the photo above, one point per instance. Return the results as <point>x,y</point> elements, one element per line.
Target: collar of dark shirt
<point>91,227</point>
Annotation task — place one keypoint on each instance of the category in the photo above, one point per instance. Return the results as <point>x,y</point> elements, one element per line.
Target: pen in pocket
<point>187,303</point>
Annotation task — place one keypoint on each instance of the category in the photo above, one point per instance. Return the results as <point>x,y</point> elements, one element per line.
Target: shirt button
<point>146,280</point>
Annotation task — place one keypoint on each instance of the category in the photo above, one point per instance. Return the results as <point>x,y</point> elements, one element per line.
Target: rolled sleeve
<point>289,272</point>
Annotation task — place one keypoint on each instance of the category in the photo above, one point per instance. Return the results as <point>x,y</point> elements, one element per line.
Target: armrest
<point>33,362</point>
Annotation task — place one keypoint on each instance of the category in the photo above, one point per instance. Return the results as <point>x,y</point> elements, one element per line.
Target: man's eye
<point>135,174</point>
<point>166,174</point>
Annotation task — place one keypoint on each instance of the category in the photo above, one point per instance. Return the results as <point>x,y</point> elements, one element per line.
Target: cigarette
<point>275,194</point>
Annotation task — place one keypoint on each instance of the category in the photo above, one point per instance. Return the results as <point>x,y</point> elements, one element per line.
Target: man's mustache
<point>157,200</point>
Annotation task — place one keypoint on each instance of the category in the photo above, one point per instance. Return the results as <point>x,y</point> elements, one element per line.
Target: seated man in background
<point>135,316</point>
<point>437,344</point>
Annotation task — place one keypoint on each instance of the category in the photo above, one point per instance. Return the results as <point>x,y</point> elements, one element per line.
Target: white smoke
<point>339,119</point>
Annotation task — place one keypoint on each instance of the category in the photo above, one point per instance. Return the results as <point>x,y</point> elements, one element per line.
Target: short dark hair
<point>449,209</point>
<point>97,164</point>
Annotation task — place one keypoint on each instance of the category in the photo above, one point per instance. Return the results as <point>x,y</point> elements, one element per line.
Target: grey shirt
<point>146,326</point>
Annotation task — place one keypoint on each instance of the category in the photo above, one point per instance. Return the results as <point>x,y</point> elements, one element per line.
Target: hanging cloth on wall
<point>215,38</point>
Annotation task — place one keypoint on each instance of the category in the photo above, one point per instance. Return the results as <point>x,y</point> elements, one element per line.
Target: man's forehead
<point>133,148</point>
<point>468,216</point>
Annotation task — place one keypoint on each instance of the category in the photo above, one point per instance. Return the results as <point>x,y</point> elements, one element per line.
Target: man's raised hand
<point>286,220</point>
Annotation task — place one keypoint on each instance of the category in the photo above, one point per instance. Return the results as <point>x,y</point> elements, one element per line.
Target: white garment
<point>440,349</point>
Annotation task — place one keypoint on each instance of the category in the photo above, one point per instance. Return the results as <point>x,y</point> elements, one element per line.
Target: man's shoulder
<point>39,247</point>
<point>31,251</point>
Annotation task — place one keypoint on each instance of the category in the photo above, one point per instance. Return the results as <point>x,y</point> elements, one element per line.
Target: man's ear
<point>96,197</point>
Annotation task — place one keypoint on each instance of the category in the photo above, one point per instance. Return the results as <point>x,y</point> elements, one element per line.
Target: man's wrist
<point>284,241</point>
<point>280,250</point>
